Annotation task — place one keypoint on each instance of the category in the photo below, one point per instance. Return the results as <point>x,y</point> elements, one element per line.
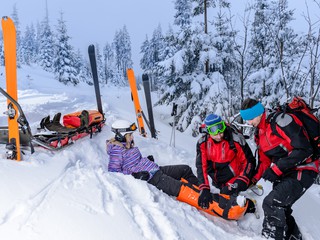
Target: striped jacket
<point>128,161</point>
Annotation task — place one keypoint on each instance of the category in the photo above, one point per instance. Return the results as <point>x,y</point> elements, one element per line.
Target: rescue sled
<point>223,206</point>
<point>52,134</point>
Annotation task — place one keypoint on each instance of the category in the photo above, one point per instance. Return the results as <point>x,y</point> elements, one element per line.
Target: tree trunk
<point>206,32</point>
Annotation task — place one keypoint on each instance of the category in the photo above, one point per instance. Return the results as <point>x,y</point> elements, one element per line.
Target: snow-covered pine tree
<point>275,51</point>
<point>152,55</point>
<point>286,49</point>
<point>29,48</point>
<point>166,68</point>
<point>242,59</point>
<point>201,8</point>
<point>100,68</point>
<point>145,60</point>
<point>225,60</point>
<point>122,48</point>
<point>179,65</point>
<point>261,45</point>
<point>108,57</point>
<point>196,92</point>
<point>64,68</point>
<point>82,68</point>
<point>311,41</point>
<point>16,21</point>
<point>46,45</point>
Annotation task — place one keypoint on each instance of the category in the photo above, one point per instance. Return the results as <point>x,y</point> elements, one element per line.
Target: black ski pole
<point>173,134</point>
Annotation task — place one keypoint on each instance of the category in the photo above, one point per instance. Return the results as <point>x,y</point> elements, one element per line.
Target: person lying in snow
<point>175,180</point>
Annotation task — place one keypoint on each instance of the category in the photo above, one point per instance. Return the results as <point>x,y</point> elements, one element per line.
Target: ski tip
<point>145,77</point>
<point>91,48</point>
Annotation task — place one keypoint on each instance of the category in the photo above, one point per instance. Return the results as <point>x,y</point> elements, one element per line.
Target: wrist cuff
<point>204,186</point>
<point>276,170</point>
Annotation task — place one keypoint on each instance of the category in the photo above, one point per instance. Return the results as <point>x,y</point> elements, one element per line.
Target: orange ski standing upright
<point>9,42</point>
<point>135,99</point>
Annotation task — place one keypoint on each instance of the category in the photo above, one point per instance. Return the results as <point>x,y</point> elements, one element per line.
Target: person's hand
<point>270,175</point>
<point>144,175</point>
<point>151,158</point>
<point>229,190</point>
<point>205,199</point>
<point>234,188</point>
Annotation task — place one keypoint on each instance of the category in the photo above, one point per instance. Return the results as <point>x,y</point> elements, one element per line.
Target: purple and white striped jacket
<point>129,161</point>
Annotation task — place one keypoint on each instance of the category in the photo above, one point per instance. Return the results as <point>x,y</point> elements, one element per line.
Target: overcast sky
<point>96,21</point>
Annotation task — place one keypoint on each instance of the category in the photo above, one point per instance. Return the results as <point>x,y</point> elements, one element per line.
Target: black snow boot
<point>293,232</point>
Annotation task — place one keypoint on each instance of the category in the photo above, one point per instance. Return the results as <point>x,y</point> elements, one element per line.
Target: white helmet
<point>121,128</point>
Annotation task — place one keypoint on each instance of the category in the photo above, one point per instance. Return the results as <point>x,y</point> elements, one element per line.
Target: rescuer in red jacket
<point>224,155</point>
<point>285,160</point>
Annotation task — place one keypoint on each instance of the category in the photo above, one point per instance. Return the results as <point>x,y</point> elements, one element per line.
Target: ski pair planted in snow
<point>138,110</point>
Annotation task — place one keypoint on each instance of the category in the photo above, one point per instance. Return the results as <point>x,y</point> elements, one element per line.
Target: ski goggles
<point>132,127</point>
<point>124,131</point>
<point>216,128</point>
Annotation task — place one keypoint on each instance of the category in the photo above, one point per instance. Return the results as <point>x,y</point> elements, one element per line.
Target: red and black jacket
<point>288,149</point>
<point>224,161</point>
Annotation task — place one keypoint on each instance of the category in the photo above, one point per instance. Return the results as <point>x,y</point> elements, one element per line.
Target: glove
<point>234,188</point>
<point>205,199</point>
<point>150,157</point>
<point>144,175</point>
<point>229,190</point>
<point>270,175</point>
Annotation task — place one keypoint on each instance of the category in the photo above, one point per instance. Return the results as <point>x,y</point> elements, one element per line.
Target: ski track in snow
<point>25,211</point>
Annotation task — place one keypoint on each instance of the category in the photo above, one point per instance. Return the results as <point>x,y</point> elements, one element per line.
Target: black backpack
<point>305,114</point>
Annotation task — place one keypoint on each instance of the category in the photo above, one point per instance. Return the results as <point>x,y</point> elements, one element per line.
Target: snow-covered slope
<point>70,195</point>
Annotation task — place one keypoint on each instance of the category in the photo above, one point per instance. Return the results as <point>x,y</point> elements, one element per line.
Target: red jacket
<point>290,151</point>
<point>222,162</point>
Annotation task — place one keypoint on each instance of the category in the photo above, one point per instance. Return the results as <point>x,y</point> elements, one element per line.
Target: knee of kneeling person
<point>268,203</point>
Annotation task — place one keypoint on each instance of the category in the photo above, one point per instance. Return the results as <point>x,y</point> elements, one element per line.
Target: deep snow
<point>70,195</point>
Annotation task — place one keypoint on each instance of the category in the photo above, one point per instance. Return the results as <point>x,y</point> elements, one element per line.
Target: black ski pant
<point>278,221</point>
<point>168,178</point>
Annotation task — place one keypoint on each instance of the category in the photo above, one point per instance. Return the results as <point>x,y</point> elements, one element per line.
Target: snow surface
<point>70,195</point>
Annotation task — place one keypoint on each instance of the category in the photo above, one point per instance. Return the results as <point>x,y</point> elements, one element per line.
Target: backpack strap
<point>272,120</point>
<point>234,135</point>
<point>231,141</point>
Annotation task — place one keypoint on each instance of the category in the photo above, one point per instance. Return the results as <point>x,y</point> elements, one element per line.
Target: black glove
<point>205,199</point>
<point>150,157</point>
<point>229,190</point>
<point>270,175</point>
<point>234,188</point>
<point>144,175</point>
